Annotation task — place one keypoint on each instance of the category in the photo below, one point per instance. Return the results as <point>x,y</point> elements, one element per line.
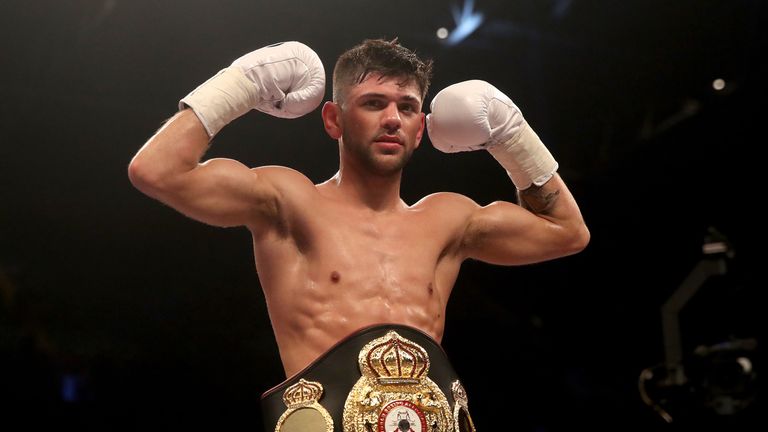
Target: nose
<point>391,117</point>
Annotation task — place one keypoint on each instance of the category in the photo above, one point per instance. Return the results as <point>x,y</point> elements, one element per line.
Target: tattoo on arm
<point>537,200</point>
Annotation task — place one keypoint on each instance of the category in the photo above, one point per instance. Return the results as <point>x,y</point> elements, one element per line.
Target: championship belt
<point>385,378</point>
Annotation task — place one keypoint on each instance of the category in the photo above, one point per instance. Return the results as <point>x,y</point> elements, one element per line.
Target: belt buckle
<point>394,392</point>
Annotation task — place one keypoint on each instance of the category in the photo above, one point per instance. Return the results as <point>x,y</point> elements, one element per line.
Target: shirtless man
<point>348,253</point>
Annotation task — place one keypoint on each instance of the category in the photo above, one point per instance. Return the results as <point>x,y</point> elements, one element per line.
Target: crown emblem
<point>393,359</point>
<point>302,394</point>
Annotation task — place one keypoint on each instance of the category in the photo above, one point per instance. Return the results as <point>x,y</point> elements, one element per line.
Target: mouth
<point>389,139</point>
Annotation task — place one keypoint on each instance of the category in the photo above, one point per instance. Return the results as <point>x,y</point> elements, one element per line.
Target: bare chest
<point>386,246</point>
<point>336,254</point>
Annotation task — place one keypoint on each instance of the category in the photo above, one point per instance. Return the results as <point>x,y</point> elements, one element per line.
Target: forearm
<point>552,200</point>
<point>175,149</point>
<point>538,199</point>
<point>555,203</point>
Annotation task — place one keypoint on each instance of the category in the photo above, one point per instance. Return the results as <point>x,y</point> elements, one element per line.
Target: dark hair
<point>388,58</point>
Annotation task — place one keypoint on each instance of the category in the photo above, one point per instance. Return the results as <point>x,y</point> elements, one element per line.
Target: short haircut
<point>387,58</point>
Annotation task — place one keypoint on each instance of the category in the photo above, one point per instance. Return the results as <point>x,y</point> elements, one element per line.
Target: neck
<point>378,192</point>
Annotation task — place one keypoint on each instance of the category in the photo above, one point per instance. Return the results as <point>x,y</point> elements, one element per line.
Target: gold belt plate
<point>394,393</point>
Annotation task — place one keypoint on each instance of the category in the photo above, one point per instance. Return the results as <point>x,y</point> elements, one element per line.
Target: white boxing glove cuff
<point>526,159</point>
<point>223,98</point>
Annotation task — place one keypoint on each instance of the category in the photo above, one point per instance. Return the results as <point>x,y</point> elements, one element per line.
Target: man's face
<point>381,123</point>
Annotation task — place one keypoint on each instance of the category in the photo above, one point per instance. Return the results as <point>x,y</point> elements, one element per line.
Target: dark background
<point>117,313</point>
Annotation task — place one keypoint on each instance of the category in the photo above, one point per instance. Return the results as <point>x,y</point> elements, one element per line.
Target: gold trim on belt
<point>304,411</point>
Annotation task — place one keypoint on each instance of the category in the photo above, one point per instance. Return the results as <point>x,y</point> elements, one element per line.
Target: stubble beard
<point>377,163</point>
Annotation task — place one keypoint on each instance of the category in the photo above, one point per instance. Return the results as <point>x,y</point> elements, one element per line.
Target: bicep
<point>223,192</point>
<point>506,234</point>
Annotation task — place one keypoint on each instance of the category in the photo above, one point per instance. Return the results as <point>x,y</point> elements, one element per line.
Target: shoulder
<point>283,179</point>
<point>446,201</point>
<point>447,215</point>
<point>448,208</point>
<point>280,173</point>
<point>286,188</point>
<point>283,194</point>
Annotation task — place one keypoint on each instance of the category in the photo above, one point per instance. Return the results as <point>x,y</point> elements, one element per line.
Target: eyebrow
<point>404,98</point>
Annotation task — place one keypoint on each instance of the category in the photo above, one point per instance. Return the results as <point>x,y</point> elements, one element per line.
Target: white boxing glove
<point>285,80</point>
<point>473,115</point>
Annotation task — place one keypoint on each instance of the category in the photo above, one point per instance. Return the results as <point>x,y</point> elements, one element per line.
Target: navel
<point>430,289</point>
<point>335,276</point>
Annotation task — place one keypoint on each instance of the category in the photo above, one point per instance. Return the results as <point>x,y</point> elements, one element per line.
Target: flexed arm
<point>474,115</point>
<point>285,80</point>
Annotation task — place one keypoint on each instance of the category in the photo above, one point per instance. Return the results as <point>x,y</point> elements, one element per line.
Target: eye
<point>373,103</point>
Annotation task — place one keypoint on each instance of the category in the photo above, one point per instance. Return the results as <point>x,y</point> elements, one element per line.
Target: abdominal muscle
<point>345,281</point>
<point>311,316</point>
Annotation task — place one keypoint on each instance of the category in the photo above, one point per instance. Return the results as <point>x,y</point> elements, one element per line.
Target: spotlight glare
<point>745,363</point>
<point>467,21</point>
<point>718,84</point>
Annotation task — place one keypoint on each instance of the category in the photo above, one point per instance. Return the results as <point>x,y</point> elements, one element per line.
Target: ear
<point>332,119</point>
<point>420,132</point>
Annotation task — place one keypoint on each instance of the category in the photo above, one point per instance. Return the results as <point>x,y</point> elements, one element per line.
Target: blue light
<point>466,20</point>
<point>70,387</point>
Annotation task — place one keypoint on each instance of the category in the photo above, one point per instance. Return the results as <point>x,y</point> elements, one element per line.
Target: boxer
<point>356,280</point>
